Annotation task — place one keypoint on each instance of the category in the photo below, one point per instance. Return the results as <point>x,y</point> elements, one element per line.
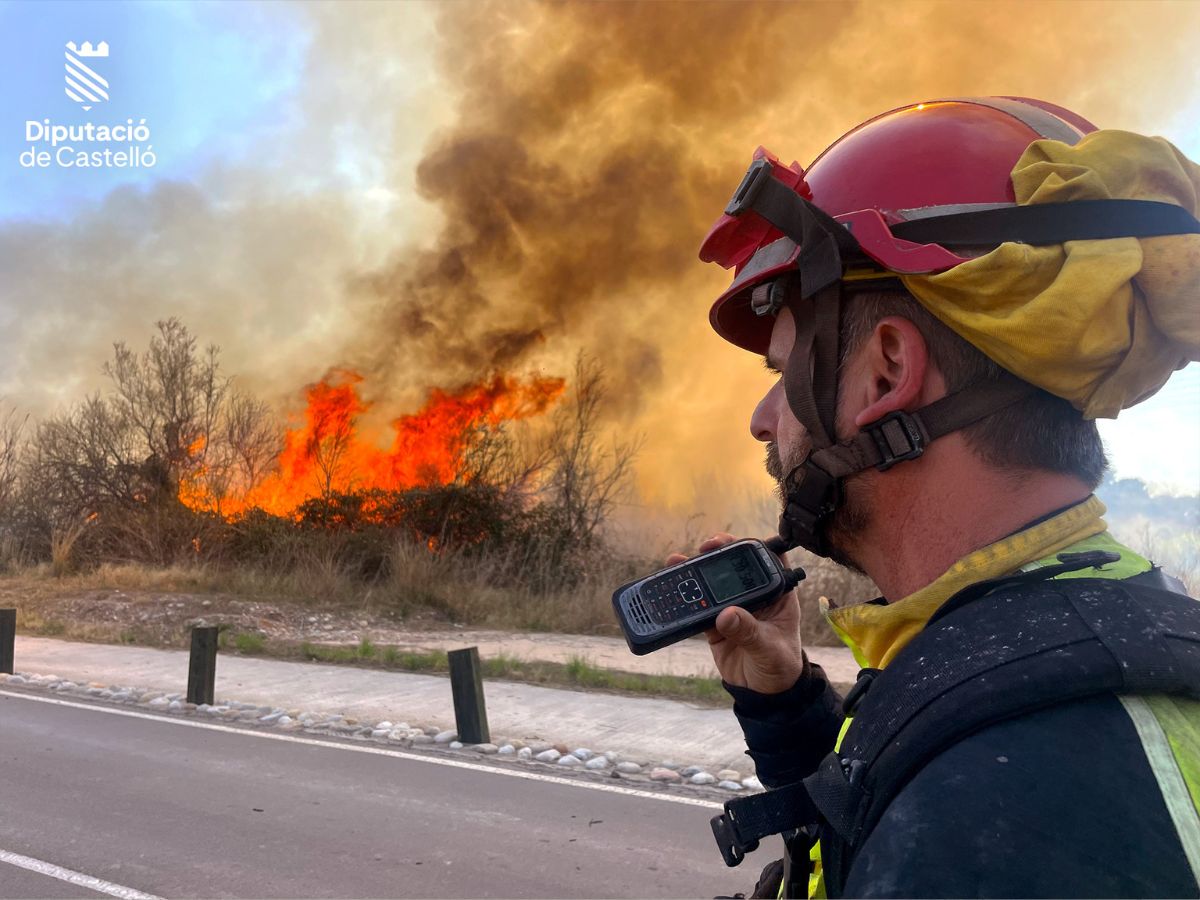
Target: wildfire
<point>328,451</point>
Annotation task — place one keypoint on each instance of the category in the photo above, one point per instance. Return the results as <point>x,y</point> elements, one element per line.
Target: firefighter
<point>951,294</point>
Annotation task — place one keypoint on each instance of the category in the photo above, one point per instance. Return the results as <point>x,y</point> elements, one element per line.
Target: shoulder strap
<point>1027,647</point>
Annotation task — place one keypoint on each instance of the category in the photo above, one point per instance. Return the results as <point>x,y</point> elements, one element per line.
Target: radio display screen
<point>730,575</point>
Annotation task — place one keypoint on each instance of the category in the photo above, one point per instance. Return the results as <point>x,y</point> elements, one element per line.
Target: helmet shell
<point>923,159</point>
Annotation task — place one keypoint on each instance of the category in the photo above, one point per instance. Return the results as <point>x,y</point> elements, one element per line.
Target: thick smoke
<point>571,157</point>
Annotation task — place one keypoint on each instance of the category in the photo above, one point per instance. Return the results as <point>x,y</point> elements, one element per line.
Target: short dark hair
<point>1041,432</point>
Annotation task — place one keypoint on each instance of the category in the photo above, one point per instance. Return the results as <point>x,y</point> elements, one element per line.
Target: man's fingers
<point>720,539</point>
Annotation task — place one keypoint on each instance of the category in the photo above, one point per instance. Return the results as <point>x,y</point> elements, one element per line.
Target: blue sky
<point>210,79</point>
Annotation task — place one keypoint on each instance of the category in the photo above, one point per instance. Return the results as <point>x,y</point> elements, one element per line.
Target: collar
<point>876,633</point>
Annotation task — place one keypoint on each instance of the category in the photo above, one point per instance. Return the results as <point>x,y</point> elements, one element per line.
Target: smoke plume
<point>540,189</point>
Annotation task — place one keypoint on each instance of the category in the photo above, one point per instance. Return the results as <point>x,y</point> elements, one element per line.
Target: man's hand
<point>759,651</point>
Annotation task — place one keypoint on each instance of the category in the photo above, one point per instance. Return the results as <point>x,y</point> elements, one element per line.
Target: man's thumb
<point>738,626</point>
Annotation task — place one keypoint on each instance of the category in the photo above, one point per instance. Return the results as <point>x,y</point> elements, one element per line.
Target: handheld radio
<point>685,599</point>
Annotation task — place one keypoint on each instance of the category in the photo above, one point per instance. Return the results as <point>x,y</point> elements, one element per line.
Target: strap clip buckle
<point>747,192</point>
<point>898,436</point>
<point>725,830</point>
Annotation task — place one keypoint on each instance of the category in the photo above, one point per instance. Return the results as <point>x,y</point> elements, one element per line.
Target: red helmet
<point>915,164</point>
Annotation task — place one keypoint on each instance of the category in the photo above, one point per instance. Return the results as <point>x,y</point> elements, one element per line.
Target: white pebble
<point>384,726</point>
<point>486,749</point>
<point>582,753</point>
<point>628,768</point>
<point>525,753</point>
<point>507,750</point>
<point>284,721</point>
<point>751,783</point>
<point>703,778</point>
<point>456,745</point>
<point>570,760</point>
<point>549,756</point>
<point>445,737</point>
<point>730,785</point>
<point>596,762</point>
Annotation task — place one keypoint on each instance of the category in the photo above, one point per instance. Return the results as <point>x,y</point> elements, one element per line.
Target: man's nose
<point>764,422</point>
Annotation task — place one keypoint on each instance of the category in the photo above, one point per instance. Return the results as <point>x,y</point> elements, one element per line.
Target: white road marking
<point>379,751</point>
<point>73,877</point>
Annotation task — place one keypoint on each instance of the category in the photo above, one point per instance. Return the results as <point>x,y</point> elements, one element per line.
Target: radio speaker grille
<point>638,612</point>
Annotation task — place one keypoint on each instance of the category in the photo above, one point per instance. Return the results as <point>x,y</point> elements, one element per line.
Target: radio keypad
<point>664,601</point>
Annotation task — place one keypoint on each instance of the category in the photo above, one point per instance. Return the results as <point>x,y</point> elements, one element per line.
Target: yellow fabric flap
<point>1100,323</point>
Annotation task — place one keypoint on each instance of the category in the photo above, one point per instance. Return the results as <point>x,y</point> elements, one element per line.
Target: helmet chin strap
<point>813,489</point>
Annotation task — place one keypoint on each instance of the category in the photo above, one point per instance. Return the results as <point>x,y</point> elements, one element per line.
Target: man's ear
<point>892,365</point>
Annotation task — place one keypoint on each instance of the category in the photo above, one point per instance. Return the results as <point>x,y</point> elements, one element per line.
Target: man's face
<point>788,445</point>
<point>773,422</point>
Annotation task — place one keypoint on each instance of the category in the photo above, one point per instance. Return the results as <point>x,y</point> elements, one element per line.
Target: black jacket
<point>1049,804</point>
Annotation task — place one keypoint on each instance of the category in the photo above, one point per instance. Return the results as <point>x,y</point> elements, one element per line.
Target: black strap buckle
<point>747,820</point>
<point>746,193</point>
<point>898,436</point>
<point>729,841</point>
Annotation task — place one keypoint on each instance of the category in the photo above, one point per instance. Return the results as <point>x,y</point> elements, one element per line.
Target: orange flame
<point>328,453</point>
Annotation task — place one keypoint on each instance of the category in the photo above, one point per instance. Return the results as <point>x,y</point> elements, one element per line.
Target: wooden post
<point>466,683</point>
<point>8,636</point>
<point>202,666</point>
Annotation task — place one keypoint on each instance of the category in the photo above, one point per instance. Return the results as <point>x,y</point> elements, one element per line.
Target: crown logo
<point>83,84</point>
<point>86,49</point>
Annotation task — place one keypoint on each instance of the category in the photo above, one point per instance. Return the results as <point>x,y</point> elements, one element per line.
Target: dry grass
<point>63,538</point>
<point>469,589</point>
<point>486,591</point>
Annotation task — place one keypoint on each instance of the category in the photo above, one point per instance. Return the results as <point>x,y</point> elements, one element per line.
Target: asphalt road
<point>180,811</point>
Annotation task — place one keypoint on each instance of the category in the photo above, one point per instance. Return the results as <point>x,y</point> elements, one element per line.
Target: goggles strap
<point>824,242</point>
<point>1051,223</point>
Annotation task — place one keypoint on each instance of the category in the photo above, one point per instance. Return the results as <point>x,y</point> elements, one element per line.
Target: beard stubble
<point>848,521</point>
